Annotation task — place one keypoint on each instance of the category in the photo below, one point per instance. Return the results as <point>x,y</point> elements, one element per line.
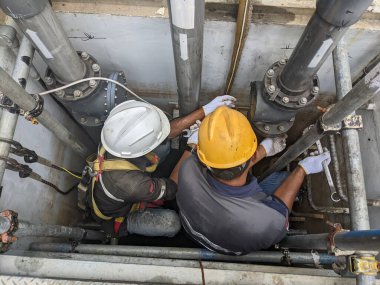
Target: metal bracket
<point>365,265</point>
<point>336,228</point>
<point>352,122</point>
<point>7,236</point>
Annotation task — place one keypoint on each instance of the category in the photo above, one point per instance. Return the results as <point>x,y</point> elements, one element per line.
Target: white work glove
<point>313,164</point>
<point>224,100</point>
<point>193,138</point>
<point>273,146</point>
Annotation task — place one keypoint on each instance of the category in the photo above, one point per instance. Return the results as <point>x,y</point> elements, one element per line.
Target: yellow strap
<point>121,164</point>
<point>94,206</point>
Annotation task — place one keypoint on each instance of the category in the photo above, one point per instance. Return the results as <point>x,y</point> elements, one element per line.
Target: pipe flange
<point>79,91</point>
<point>268,129</point>
<point>276,92</point>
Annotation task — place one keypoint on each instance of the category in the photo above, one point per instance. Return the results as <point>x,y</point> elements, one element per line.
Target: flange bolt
<point>84,55</point>
<point>78,93</point>
<point>315,90</point>
<point>92,83</point>
<point>48,80</point>
<point>95,67</point>
<point>266,128</point>
<point>281,128</point>
<point>270,72</point>
<point>282,61</point>
<point>271,88</point>
<point>285,100</point>
<point>302,101</point>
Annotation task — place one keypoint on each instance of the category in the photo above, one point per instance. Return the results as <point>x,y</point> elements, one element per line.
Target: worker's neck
<point>238,181</point>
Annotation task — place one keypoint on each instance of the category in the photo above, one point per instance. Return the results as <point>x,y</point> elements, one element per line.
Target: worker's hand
<point>273,146</point>
<point>193,138</point>
<point>224,100</point>
<point>313,164</point>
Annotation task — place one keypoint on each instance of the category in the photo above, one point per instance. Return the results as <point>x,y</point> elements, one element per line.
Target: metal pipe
<point>366,89</point>
<point>351,146</point>
<point>26,229</point>
<point>184,253</point>
<point>19,96</point>
<point>332,210</point>
<point>214,272</point>
<point>324,30</point>
<point>186,23</point>
<point>335,163</point>
<point>8,120</point>
<point>353,160</point>
<point>357,241</point>
<point>38,21</point>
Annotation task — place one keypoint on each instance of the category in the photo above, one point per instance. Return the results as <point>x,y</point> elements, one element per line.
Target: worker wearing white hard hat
<point>124,189</point>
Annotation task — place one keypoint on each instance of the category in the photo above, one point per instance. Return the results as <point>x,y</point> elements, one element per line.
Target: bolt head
<point>97,121</point>
<point>281,128</point>
<point>92,83</point>
<point>271,88</point>
<point>83,120</point>
<point>60,93</point>
<point>302,101</point>
<point>266,128</point>
<point>77,93</point>
<point>315,90</point>
<point>84,55</point>
<point>270,72</point>
<point>285,100</point>
<point>105,104</point>
<point>48,80</point>
<point>95,67</point>
<point>282,61</point>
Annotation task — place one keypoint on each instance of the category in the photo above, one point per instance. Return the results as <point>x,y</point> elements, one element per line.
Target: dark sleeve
<point>136,186</point>
<point>276,204</point>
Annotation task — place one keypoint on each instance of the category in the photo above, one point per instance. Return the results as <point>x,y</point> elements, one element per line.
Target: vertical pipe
<point>351,149</point>
<point>38,21</point>
<point>8,120</point>
<point>186,23</point>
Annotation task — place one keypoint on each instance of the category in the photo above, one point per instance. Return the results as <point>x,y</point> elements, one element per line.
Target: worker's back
<point>222,222</point>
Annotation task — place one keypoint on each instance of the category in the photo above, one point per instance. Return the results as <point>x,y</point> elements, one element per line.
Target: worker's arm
<point>288,190</point>
<point>179,124</point>
<point>174,174</point>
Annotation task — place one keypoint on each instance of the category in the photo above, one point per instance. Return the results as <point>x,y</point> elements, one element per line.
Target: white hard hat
<point>133,129</point>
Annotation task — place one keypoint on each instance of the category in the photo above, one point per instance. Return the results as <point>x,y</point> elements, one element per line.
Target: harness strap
<point>100,165</point>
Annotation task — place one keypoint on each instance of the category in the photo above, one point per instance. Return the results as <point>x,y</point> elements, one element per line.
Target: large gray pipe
<point>19,96</point>
<point>324,30</point>
<point>186,22</point>
<point>38,21</point>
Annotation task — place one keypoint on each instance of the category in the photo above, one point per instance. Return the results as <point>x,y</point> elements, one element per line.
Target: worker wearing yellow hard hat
<point>222,205</point>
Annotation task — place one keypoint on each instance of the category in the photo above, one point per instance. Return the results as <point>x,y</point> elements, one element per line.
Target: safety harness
<point>97,164</point>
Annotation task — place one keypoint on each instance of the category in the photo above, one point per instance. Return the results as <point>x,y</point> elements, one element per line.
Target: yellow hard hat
<point>226,139</point>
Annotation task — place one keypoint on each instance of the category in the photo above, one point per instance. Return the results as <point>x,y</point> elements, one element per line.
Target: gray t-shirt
<point>224,222</point>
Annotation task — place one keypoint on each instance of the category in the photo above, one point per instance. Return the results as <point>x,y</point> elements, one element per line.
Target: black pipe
<point>367,88</point>
<point>321,35</point>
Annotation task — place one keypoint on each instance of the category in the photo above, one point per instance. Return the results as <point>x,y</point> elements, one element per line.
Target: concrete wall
<point>141,46</point>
